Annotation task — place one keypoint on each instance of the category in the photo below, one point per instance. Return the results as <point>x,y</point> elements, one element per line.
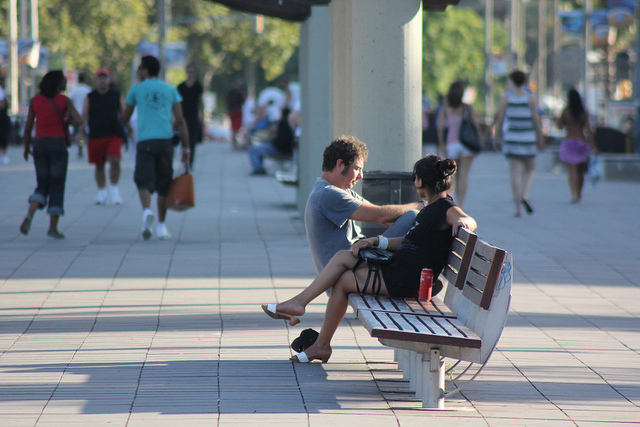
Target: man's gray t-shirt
<point>327,222</point>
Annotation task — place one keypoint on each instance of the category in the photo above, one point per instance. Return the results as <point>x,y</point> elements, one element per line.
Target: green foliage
<point>224,41</point>
<point>94,33</point>
<point>453,49</point>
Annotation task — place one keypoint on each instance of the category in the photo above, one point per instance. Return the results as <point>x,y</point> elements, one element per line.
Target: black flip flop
<point>527,207</point>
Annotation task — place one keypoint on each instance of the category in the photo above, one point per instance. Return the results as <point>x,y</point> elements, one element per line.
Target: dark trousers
<point>51,160</point>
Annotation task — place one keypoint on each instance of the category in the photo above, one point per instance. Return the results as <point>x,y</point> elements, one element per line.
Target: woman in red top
<point>48,110</point>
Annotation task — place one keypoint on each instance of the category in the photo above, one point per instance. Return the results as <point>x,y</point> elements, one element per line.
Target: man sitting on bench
<point>333,207</point>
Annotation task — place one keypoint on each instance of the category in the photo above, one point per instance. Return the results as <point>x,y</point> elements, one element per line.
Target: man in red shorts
<point>235,100</point>
<point>102,112</point>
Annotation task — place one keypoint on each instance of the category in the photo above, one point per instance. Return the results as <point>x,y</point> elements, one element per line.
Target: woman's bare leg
<point>336,309</point>
<point>516,171</point>
<point>580,171</point>
<point>464,167</point>
<point>573,182</point>
<point>529,175</point>
<point>342,261</point>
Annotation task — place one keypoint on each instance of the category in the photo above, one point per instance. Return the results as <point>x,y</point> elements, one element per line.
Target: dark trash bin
<point>386,188</point>
<point>609,140</point>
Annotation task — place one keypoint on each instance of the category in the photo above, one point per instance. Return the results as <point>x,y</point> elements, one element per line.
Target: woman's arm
<point>373,242</point>
<point>502,110</point>
<point>441,125</point>
<point>561,121</point>
<point>588,131</point>
<point>456,218</point>
<point>28,128</point>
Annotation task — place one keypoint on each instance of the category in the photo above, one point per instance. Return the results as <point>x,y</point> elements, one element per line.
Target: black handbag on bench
<point>375,258</point>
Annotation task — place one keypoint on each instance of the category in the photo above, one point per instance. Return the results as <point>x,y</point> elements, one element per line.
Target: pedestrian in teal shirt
<point>157,102</point>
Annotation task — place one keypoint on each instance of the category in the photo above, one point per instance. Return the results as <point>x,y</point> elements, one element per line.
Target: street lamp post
<point>13,55</point>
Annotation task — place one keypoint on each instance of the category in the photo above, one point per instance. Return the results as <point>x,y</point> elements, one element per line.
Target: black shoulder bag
<point>375,258</point>
<point>469,136</point>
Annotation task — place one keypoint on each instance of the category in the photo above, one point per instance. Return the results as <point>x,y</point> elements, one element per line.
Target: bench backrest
<point>483,273</point>
<point>459,258</point>
<point>486,296</point>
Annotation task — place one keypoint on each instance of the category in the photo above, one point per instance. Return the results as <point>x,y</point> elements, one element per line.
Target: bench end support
<point>432,380</point>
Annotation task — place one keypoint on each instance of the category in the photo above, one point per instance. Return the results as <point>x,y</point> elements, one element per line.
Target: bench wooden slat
<point>422,329</point>
<point>435,307</point>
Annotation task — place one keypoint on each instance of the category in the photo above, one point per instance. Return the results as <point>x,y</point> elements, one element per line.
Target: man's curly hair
<point>347,148</point>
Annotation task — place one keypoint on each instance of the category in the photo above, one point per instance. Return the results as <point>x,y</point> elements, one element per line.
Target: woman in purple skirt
<point>574,150</point>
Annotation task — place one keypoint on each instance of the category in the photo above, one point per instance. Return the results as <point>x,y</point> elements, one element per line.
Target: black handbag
<point>469,136</point>
<point>375,258</point>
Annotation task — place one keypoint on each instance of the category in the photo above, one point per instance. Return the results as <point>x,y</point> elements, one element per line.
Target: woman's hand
<point>362,244</point>
<point>458,219</point>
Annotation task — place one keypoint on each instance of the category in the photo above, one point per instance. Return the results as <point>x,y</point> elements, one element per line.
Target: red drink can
<point>426,284</point>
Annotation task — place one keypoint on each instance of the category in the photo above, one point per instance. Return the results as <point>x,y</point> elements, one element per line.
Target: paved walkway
<point>105,328</point>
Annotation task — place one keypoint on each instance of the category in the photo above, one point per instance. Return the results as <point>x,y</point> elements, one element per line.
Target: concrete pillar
<point>314,79</point>
<point>376,78</point>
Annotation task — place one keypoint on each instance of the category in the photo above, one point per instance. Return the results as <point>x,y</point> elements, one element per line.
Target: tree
<point>223,42</point>
<point>453,49</point>
<point>95,33</point>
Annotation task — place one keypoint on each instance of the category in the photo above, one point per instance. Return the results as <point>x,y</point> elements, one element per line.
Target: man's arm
<point>128,112</point>
<point>385,215</point>
<point>28,127</point>
<point>184,133</point>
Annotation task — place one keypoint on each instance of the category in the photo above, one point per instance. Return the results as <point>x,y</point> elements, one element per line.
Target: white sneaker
<point>162,232</point>
<point>114,195</point>
<point>147,220</point>
<point>4,160</point>
<point>101,198</point>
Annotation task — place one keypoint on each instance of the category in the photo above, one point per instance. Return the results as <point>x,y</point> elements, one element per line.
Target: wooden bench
<point>465,326</point>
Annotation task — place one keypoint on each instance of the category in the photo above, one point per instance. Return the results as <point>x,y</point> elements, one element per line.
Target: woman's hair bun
<point>446,167</point>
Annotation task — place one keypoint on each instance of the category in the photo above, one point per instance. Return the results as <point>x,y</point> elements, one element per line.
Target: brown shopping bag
<point>181,195</point>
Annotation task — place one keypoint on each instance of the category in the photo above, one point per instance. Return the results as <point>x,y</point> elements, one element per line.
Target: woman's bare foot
<point>315,352</point>
<point>291,307</point>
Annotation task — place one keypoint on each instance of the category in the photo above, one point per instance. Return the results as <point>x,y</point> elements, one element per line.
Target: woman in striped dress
<point>519,131</point>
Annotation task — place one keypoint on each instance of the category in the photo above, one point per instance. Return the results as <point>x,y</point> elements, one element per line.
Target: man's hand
<point>26,153</point>
<point>186,156</point>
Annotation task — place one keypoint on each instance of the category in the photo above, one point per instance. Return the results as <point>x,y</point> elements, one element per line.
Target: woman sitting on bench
<point>426,245</point>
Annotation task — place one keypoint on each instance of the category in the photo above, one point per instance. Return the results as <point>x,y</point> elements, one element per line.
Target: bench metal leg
<point>432,380</point>
<point>408,368</point>
<point>417,375</point>
<point>401,358</point>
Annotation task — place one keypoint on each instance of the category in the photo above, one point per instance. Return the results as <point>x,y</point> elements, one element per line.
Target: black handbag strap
<point>64,124</point>
<point>376,284</point>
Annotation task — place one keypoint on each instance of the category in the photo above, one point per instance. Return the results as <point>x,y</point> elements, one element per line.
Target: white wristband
<point>383,242</point>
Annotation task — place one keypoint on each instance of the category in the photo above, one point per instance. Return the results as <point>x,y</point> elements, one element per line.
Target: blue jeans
<point>257,153</point>
<point>402,225</point>
<point>51,159</point>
